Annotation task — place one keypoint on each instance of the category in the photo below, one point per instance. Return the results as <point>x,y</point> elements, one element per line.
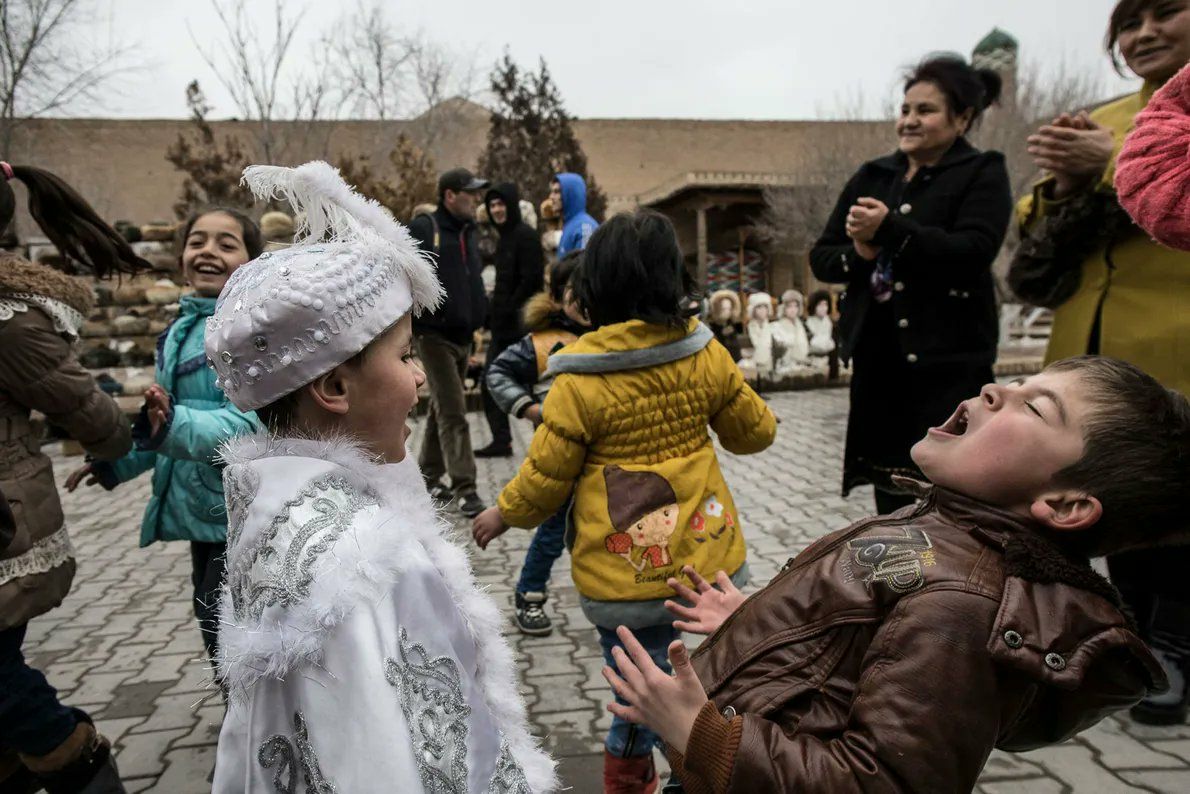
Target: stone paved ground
<point>124,645</point>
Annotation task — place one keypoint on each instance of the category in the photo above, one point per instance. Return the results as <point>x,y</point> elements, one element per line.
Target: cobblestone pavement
<point>125,648</point>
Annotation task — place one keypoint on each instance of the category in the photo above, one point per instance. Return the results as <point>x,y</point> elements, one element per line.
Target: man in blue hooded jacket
<point>568,193</point>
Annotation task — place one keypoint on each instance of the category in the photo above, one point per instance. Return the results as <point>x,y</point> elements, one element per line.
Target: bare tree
<point>389,73</point>
<point>49,60</point>
<point>374,62</point>
<point>266,84</point>
<point>794,217</point>
<point>1035,98</point>
<point>212,168</point>
<point>413,178</point>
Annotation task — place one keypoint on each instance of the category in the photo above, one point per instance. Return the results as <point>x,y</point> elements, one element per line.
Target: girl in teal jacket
<point>186,417</point>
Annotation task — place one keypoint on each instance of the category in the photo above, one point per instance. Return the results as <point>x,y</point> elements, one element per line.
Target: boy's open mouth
<point>956,425</point>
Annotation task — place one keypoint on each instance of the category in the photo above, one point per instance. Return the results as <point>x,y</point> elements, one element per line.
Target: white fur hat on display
<point>759,299</point>
<point>289,316</point>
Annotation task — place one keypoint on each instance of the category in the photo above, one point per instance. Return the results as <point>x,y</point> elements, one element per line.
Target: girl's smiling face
<point>213,250</point>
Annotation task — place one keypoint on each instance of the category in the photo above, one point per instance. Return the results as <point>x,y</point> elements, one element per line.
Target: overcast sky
<point>756,59</point>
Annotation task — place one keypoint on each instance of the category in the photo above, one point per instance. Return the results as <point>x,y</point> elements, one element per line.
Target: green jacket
<point>187,501</point>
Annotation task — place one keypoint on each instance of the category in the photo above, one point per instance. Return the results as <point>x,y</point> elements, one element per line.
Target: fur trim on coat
<point>537,314</point>
<point>20,275</point>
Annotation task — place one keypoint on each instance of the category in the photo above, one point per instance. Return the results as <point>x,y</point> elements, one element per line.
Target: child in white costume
<point>760,332</point>
<point>358,652</point>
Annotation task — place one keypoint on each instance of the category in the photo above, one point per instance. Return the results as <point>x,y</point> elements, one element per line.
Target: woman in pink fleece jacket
<point>1153,171</point>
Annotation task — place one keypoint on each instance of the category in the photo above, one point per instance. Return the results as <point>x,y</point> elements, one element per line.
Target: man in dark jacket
<point>519,267</point>
<point>443,337</point>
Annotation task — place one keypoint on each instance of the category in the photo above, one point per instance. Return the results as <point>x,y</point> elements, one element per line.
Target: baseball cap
<point>459,179</point>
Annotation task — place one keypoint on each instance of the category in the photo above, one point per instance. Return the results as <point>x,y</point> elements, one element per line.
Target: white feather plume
<point>329,210</point>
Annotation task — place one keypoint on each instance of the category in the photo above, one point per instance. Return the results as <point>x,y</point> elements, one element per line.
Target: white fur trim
<point>248,653</point>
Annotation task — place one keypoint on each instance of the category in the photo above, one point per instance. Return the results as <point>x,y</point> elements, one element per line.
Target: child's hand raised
<point>709,607</point>
<point>78,475</point>
<point>157,407</point>
<point>667,704</point>
<point>488,526</point>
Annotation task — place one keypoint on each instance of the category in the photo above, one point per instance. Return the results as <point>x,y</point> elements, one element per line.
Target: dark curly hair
<point>965,87</point>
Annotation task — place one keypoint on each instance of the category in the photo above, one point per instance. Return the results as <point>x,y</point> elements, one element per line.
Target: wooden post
<point>701,215</point>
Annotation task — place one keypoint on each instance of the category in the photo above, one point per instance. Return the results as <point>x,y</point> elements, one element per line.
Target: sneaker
<point>530,614</point>
<point>1169,707</point>
<point>471,505</point>
<point>494,450</point>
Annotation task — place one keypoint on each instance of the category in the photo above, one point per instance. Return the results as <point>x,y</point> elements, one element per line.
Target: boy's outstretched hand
<point>488,526</point>
<point>709,607</point>
<point>667,704</point>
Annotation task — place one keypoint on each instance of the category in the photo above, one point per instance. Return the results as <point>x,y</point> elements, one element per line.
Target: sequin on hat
<point>289,316</point>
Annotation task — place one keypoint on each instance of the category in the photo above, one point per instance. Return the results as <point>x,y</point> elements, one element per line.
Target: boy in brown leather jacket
<point>895,654</point>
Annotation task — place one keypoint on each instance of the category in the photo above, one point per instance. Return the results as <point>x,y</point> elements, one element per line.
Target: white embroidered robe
<point>358,651</point>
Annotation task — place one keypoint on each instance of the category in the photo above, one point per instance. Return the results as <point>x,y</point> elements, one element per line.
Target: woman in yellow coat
<point>1132,299</point>
<point>625,427</point>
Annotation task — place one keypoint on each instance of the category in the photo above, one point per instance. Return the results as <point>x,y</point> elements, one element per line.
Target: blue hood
<point>574,195</point>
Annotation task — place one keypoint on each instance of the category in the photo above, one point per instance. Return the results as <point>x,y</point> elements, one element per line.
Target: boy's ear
<point>1067,510</point>
<point>328,392</point>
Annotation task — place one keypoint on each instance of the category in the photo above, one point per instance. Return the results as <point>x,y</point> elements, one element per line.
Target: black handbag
<point>1046,269</point>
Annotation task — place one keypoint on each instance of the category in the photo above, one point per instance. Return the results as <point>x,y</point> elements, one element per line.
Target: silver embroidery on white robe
<point>272,572</point>
<point>431,698</point>
<point>286,755</point>
<point>241,484</point>
<point>508,778</point>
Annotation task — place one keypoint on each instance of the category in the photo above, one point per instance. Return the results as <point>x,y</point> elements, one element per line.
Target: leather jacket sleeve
<point>925,716</point>
<point>511,377</point>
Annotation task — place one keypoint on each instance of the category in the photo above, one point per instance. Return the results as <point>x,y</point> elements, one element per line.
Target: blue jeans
<point>32,721</point>
<point>544,550</point>
<point>656,640</point>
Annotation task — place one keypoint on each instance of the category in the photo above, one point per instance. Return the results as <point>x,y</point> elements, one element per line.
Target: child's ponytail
<point>65,217</point>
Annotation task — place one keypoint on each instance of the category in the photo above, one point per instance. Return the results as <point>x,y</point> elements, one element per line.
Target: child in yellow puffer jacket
<point>625,427</point>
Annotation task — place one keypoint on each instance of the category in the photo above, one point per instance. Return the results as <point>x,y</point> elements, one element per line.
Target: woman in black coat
<point>913,236</point>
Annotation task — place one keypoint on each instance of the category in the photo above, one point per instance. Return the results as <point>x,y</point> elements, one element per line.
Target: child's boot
<point>83,764</point>
<point>632,775</point>
<point>530,614</point>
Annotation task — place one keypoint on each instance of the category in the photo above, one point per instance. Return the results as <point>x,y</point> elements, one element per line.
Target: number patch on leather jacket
<point>895,560</point>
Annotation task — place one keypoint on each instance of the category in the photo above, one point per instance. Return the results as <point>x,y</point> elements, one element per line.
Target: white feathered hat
<point>289,316</point>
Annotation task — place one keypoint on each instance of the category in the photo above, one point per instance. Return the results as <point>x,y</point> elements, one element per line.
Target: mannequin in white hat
<point>356,645</point>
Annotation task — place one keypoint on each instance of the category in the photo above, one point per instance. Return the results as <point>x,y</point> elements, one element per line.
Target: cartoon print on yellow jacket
<point>641,398</point>
<point>643,508</point>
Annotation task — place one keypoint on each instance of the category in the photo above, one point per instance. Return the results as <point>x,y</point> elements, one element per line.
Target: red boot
<point>634,775</point>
